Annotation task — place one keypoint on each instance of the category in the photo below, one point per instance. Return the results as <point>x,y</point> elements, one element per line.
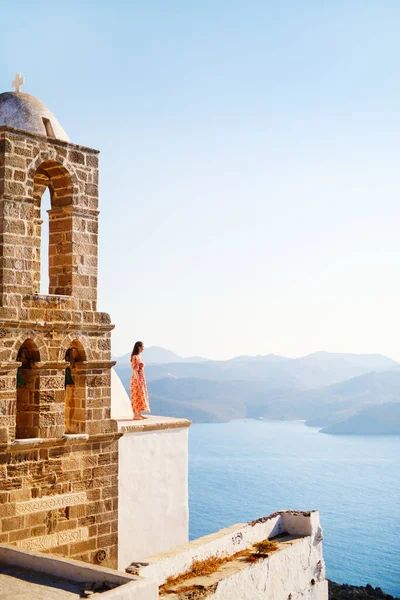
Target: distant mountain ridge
<point>323,389</point>
<point>308,372</point>
<point>158,355</point>
<point>381,419</point>
<point>259,357</point>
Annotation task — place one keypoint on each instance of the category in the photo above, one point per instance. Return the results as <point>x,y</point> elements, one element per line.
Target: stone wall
<point>61,496</point>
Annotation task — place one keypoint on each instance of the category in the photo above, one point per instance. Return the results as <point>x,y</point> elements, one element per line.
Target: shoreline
<point>345,591</point>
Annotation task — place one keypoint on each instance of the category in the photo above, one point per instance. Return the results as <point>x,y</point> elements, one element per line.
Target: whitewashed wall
<point>288,573</point>
<point>153,481</point>
<point>153,492</point>
<point>297,570</point>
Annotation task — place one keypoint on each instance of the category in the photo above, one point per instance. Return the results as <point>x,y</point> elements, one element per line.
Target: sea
<point>246,469</point>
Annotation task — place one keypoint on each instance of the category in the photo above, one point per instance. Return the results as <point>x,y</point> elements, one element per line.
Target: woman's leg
<point>137,416</point>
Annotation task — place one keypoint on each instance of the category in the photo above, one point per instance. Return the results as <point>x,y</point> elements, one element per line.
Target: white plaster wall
<point>153,493</point>
<point>233,539</point>
<point>287,573</point>
<point>275,581</point>
<point>295,571</point>
<point>227,541</point>
<point>138,590</point>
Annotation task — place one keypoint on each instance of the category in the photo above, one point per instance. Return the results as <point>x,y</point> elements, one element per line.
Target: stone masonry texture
<point>58,444</point>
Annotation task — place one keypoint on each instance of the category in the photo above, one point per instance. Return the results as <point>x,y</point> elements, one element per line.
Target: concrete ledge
<point>151,423</point>
<point>66,439</point>
<point>29,442</point>
<point>46,299</point>
<point>75,436</point>
<point>66,568</point>
<point>9,366</point>
<point>80,572</point>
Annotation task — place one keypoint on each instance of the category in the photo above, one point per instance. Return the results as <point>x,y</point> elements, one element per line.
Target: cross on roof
<point>18,82</point>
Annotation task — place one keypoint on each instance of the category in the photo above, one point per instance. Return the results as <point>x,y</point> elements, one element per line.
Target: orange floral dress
<point>139,394</point>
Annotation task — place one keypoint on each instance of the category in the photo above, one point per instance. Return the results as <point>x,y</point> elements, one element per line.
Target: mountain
<point>345,366</point>
<point>205,400</point>
<point>198,413</point>
<point>334,403</point>
<point>222,400</point>
<point>155,355</point>
<point>369,361</point>
<point>383,419</point>
<point>259,358</point>
<point>309,372</point>
<point>322,389</point>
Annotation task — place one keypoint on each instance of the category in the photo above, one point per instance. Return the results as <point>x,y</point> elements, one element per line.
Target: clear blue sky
<point>250,181</point>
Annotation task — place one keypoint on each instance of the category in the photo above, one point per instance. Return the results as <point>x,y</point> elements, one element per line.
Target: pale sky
<point>250,181</point>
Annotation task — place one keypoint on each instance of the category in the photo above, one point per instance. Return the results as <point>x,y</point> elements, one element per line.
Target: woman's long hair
<point>135,350</point>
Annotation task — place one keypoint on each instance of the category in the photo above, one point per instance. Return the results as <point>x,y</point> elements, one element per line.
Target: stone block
<point>76,157</point>
<point>12,523</point>
<point>20,534</point>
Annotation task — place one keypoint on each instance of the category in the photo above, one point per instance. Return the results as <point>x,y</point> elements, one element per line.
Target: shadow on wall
<point>28,389</point>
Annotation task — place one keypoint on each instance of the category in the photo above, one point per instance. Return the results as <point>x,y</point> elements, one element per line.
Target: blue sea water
<point>246,469</point>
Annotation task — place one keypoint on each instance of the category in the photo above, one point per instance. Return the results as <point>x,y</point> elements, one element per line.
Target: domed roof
<point>27,113</point>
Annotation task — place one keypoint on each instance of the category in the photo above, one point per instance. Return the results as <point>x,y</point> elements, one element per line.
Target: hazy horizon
<point>249,166</point>
<point>253,355</point>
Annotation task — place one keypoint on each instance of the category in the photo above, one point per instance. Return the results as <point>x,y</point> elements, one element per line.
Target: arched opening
<point>45,208</point>
<point>75,390</point>
<point>55,178</point>
<point>27,417</point>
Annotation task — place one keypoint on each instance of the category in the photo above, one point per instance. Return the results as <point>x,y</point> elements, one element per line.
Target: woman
<point>139,394</point>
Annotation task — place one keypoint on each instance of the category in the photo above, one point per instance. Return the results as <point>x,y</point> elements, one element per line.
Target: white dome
<point>120,402</point>
<point>25,112</point>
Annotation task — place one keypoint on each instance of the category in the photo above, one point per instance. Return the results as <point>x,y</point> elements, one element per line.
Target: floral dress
<point>139,394</point>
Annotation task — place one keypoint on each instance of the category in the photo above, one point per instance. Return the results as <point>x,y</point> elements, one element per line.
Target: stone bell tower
<point>58,444</point>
